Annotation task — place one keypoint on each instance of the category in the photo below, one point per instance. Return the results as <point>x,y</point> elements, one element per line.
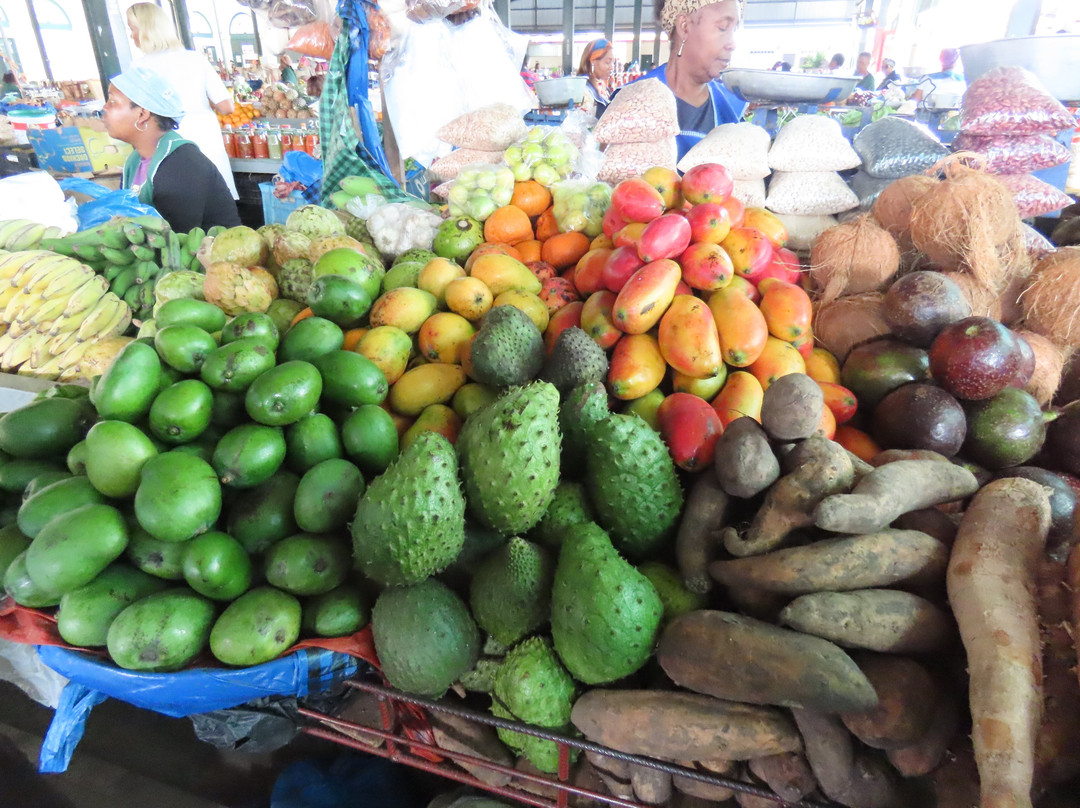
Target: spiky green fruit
<point>295,278</point>
<point>511,591</point>
<point>508,349</point>
<point>581,408</point>
<point>604,613</point>
<point>632,483</point>
<point>570,506</point>
<point>410,523</point>
<point>575,359</point>
<point>509,453</point>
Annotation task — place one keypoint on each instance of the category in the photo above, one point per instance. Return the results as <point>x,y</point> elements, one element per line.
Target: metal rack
<point>420,751</point>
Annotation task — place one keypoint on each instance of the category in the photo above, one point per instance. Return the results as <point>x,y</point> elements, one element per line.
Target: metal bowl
<point>1054,59</point>
<point>791,88</point>
<point>561,92</point>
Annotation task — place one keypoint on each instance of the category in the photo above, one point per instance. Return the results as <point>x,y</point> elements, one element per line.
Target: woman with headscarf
<point>165,170</point>
<point>596,62</point>
<point>202,92</point>
<point>702,36</point>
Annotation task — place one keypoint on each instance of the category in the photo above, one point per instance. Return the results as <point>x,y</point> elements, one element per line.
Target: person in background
<point>891,74</point>
<point>10,86</point>
<point>835,63</point>
<point>165,170</point>
<point>862,68</point>
<point>288,75</point>
<point>702,36</point>
<point>203,95</point>
<point>947,81</point>
<point>597,60</point>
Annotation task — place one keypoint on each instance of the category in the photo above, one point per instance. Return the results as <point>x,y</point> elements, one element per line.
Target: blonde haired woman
<point>202,93</point>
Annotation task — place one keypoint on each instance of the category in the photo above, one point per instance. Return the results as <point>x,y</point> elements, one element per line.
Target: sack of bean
<point>447,168</point>
<point>490,128</point>
<point>750,192</point>
<point>1034,197</point>
<point>809,193</point>
<point>741,148</point>
<point>812,143</point>
<point>1004,154</point>
<point>640,112</point>
<point>625,160</point>
<point>867,188</point>
<point>891,148</point>
<point>802,230</point>
<point>1011,101</point>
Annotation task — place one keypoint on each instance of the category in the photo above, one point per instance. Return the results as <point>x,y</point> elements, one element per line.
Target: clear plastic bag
<point>1034,197</point>
<point>642,111</point>
<point>491,128</point>
<point>625,160</point>
<point>379,33</point>
<point>892,147</point>
<point>741,148</point>
<point>546,155</point>
<point>313,39</point>
<point>1012,101</point>
<point>1005,154</point>
<point>812,143</point>
<point>427,10</point>
<point>580,205</point>
<point>809,193</point>
<point>447,168</point>
<point>479,189</point>
<point>292,13</point>
<point>868,188</point>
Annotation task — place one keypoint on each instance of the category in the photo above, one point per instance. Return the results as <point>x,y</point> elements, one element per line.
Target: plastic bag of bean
<point>1011,101</point>
<point>741,148</point>
<point>802,230</point>
<point>625,160</point>
<point>1034,197</point>
<point>1004,154</point>
<point>812,143</point>
<point>1036,244</point>
<point>640,112</point>
<point>891,148</point>
<point>447,168</point>
<point>868,188</point>
<point>489,128</point>
<point>809,193</point>
<point>750,192</point>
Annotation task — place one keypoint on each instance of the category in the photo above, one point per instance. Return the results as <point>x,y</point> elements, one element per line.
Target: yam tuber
<point>907,701</point>
<point>927,752</point>
<point>891,491</point>
<point>788,774</point>
<point>703,519</point>
<point>744,461</point>
<point>651,786</point>
<point>991,584</point>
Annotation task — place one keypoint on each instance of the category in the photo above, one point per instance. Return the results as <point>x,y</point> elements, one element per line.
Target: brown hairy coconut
<point>1051,303</point>
<point>892,208</point>
<point>1050,360</point>
<point>841,324</point>
<point>852,258</point>
<point>985,302</point>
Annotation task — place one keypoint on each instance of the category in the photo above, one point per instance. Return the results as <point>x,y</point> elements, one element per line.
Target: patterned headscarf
<point>673,8</point>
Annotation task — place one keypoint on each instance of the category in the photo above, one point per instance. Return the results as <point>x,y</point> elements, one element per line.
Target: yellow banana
<point>70,358</point>
<point>5,342</point>
<point>14,262</point>
<point>117,325</point>
<point>63,285</point>
<point>8,228</point>
<point>85,296</point>
<point>38,280</point>
<point>17,353</point>
<point>16,305</point>
<point>6,295</point>
<point>49,370</point>
<point>101,314</point>
<point>29,237</point>
<point>24,309</point>
<point>46,312</point>
<point>34,266</point>
<point>40,353</point>
<point>61,342</point>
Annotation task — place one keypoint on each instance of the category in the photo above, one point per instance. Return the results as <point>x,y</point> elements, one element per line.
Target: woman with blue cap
<point>165,170</point>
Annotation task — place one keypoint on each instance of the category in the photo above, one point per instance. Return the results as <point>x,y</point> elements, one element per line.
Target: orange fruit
<point>302,315</point>
<point>352,338</point>
<point>508,224</point>
<point>531,197</point>
<point>529,249</point>
<point>565,249</point>
<point>546,226</point>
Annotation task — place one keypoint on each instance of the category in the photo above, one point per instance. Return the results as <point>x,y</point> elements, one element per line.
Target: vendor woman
<point>702,36</point>
<point>165,170</point>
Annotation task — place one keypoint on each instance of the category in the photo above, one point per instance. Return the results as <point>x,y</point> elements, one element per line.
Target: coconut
<point>961,222</point>
<point>985,302</point>
<point>892,208</point>
<point>1050,362</point>
<point>841,324</point>
<point>852,258</point>
<point>1051,302</point>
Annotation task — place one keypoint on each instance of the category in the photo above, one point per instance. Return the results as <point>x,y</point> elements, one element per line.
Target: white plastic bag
<point>812,143</point>
<point>36,196</point>
<point>802,230</point>
<point>809,193</point>
<point>20,665</point>
<point>741,148</point>
<point>750,192</point>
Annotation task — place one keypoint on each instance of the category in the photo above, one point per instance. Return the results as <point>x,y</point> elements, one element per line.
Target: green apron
<point>169,143</point>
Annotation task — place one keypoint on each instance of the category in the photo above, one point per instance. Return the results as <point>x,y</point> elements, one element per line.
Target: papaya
<point>256,627</point>
<point>161,632</point>
<point>86,613</point>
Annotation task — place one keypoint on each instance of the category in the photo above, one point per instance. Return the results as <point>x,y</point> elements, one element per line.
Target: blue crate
<point>276,211</point>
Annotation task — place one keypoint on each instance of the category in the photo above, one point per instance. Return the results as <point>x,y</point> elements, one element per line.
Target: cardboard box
<point>60,150</point>
<point>105,153</point>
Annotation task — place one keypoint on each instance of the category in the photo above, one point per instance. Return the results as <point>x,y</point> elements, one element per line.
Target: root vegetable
<point>853,257</point>
<point>455,734</point>
<point>791,407</point>
<point>734,657</point>
<point>930,521</point>
<point>887,558</point>
<point>891,491</point>
<point>1051,303</point>
<point>1050,360</point>
<point>892,208</point>
<point>822,468</point>
<point>884,620</point>
<point>682,726</point>
<point>744,461</point>
<point>703,519</point>
<point>651,786</point>
<point>849,321</point>
<point>991,583</point>
<point>1057,745</point>
<point>926,753</point>
<point>907,701</point>
<point>701,789</point>
<point>788,775</point>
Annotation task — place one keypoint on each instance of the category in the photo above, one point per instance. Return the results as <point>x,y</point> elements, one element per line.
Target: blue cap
<point>151,91</point>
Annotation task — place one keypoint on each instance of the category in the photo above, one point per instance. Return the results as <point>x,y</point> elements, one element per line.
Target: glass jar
<point>244,148</point>
<point>259,145</point>
<point>229,140</point>
<point>311,143</point>
<point>273,142</point>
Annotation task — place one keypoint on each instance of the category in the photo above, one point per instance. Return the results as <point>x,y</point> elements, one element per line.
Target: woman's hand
<point>225,107</point>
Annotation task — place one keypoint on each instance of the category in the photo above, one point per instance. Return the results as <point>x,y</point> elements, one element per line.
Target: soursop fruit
<point>415,254</point>
<point>575,359</point>
<point>632,483</point>
<point>605,615</point>
<point>570,506</point>
<point>532,686</point>
<point>290,245</point>
<point>295,278</point>
<point>583,406</point>
<point>357,228</point>
<point>410,523</point>
<point>508,349</point>
<point>509,454</point>
<point>510,594</point>
<point>424,636</point>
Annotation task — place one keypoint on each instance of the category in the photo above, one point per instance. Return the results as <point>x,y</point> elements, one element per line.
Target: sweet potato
<point>891,490</point>
<point>893,455</point>
<point>991,584</point>
<point>821,468</point>
<point>907,697</point>
<point>926,753</point>
<point>456,734</point>
<point>1057,745</point>
<point>788,774</point>
<point>651,786</point>
<point>700,788</point>
<point>734,657</point>
<point>703,518</point>
<point>682,726</point>
<point>930,521</point>
<point>876,619</point>
<point>757,603</point>
<point>956,780</point>
<point>858,562</point>
<point>744,461</point>
<point>791,407</point>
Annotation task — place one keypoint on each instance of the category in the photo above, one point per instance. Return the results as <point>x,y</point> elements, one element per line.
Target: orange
<point>529,249</point>
<point>352,338</point>
<point>546,226</point>
<point>565,249</point>
<point>531,197</point>
<point>508,224</point>
<point>302,315</point>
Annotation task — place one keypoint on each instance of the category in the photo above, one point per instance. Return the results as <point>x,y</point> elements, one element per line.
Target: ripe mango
<point>637,366</point>
<point>405,308</point>
<point>389,348</point>
<point>688,338</point>
<point>425,385</point>
<point>500,273</point>
<point>645,297</point>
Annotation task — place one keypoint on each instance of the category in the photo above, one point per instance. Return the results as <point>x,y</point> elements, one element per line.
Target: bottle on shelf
<point>259,146</point>
<point>273,142</point>
<point>229,139</point>
<point>244,148</point>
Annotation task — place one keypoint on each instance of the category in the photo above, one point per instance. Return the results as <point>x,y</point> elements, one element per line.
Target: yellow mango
<point>531,304</point>
<point>405,308</point>
<point>442,335</point>
<point>424,385</point>
<point>389,348</point>
<point>502,273</point>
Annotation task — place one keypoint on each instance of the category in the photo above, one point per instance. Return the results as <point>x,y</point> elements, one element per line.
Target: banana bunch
<point>52,308</point>
<point>25,234</point>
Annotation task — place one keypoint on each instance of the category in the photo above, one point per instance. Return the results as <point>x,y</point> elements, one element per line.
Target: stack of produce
<point>891,148</point>
<point>242,115</point>
<point>480,136</point>
<point>24,234</point>
<point>638,131</point>
<point>1010,119</point>
<point>282,101</point>
<point>743,149</point>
